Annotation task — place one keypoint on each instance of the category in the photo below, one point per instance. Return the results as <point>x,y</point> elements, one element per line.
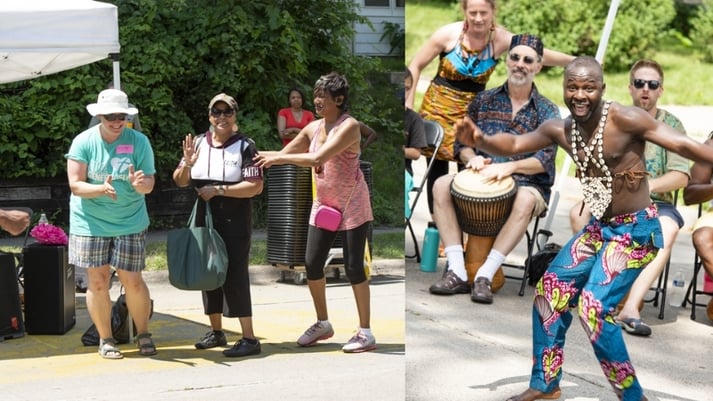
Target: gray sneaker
<point>212,339</point>
<point>316,332</point>
<point>360,342</point>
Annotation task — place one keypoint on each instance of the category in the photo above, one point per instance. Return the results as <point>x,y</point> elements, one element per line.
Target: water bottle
<point>677,290</point>
<point>43,219</point>
<point>431,239</point>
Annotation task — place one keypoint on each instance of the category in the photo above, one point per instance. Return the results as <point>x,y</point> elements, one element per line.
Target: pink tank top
<point>340,178</point>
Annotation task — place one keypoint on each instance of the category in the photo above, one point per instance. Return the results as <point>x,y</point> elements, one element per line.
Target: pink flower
<point>49,234</point>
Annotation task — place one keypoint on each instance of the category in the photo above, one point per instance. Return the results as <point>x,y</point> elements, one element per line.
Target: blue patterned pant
<point>592,273</point>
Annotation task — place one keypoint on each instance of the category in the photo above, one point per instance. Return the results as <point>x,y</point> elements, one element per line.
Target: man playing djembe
<point>515,107</point>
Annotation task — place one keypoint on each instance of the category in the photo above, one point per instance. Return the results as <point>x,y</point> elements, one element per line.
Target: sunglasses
<point>653,84</point>
<point>114,117</point>
<point>225,112</point>
<point>526,59</point>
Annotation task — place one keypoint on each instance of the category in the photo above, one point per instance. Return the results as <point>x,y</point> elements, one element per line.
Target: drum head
<point>471,183</point>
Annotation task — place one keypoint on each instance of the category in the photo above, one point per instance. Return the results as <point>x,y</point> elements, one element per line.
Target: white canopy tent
<point>42,37</point>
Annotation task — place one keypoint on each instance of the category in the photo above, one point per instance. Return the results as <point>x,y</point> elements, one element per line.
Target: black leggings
<point>320,241</point>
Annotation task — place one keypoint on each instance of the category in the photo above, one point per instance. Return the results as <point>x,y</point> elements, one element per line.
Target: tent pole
<point>552,209</point>
<point>117,74</point>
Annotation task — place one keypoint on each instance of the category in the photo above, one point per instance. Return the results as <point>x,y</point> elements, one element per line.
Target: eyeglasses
<point>225,112</point>
<point>526,59</point>
<point>114,117</point>
<point>653,84</point>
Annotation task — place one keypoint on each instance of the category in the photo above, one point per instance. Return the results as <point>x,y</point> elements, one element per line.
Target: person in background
<point>219,164</point>
<point>667,172</point>
<point>14,221</point>
<point>468,51</point>
<point>699,190</point>
<point>368,134</point>
<point>291,120</point>
<point>331,145</point>
<point>515,107</point>
<point>596,268</point>
<point>414,142</point>
<point>110,169</point>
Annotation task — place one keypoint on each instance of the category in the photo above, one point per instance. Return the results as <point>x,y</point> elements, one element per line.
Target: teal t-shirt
<point>102,216</point>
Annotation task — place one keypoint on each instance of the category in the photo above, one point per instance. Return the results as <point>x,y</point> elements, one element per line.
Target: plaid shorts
<point>125,252</point>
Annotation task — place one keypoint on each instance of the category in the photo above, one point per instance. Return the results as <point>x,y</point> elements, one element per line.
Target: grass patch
<point>386,245</point>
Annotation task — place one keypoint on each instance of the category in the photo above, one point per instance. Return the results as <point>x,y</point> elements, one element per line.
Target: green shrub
<point>575,27</point>
<point>702,32</point>
<point>176,55</point>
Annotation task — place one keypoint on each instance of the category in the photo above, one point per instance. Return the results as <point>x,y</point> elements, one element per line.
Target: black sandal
<point>146,347</point>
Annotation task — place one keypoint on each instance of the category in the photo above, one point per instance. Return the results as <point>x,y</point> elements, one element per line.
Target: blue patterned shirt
<point>491,110</point>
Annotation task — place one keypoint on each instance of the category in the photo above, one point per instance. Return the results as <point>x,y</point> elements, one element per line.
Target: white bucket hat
<point>111,101</point>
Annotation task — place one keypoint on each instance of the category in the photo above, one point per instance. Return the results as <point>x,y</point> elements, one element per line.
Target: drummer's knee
<point>442,189</point>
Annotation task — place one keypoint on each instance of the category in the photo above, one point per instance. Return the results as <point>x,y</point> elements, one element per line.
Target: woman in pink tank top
<point>331,146</point>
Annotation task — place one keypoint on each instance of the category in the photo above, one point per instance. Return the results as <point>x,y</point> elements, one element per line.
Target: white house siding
<point>367,41</point>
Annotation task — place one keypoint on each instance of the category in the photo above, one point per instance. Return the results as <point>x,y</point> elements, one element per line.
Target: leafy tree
<point>702,32</point>
<point>575,27</point>
<point>177,54</point>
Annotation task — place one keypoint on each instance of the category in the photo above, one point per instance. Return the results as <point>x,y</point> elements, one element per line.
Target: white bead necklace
<point>597,191</point>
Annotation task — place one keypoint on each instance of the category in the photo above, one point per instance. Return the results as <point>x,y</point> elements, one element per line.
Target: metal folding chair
<point>434,138</point>
<point>692,292</point>
<point>659,297</point>
<point>533,243</point>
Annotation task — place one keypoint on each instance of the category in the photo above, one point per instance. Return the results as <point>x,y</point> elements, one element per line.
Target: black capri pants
<point>320,241</point>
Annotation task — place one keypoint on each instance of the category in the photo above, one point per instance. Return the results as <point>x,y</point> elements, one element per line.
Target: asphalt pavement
<point>460,350</point>
<point>45,367</point>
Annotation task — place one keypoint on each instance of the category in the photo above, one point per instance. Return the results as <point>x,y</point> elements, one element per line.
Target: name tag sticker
<point>125,149</point>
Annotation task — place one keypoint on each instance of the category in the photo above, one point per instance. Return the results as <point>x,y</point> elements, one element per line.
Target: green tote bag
<point>197,257</point>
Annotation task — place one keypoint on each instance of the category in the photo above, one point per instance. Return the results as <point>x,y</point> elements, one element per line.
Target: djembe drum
<point>482,206</point>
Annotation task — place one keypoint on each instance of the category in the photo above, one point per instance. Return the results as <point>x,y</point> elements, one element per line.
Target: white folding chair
<point>434,137</point>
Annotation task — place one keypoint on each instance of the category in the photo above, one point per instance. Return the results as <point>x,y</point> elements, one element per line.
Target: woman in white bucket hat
<point>110,169</point>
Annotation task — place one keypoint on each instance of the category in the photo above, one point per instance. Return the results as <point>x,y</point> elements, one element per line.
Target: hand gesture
<point>109,189</point>
<point>263,161</point>
<point>478,162</point>
<point>467,132</point>
<point>190,154</point>
<point>136,178</point>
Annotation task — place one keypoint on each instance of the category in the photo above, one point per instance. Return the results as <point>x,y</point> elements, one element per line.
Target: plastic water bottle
<point>677,290</point>
<point>431,239</point>
<point>43,219</point>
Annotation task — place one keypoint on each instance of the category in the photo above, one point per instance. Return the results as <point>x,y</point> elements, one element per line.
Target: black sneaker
<point>212,339</point>
<point>243,348</point>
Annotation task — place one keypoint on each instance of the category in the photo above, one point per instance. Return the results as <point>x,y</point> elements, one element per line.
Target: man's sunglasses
<point>653,84</point>
<point>516,57</point>
<point>114,117</point>
<point>225,112</point>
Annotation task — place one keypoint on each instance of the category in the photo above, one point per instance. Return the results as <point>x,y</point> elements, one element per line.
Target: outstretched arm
<point>503,144</point>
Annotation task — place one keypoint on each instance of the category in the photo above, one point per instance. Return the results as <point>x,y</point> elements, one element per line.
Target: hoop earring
<point>492,27</point>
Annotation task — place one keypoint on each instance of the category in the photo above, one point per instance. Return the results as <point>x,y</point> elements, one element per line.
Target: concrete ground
<point>59,367</point>
<point>460,350</point>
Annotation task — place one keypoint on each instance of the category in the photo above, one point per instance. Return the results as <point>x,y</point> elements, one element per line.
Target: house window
<point>383,3</point>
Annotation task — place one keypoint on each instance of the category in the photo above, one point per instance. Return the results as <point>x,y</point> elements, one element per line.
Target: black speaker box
<point>49,289</point>
<point>11,322</point>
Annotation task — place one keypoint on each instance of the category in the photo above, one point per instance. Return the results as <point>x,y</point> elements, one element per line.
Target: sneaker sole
<point>364,349</point>
<point>315,341</point>
<point>212,346</point>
